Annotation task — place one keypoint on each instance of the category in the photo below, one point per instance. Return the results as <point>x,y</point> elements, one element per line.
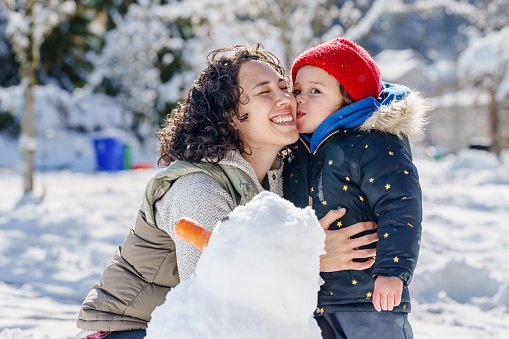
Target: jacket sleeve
<point>196,196</point>
<point>390,181</point>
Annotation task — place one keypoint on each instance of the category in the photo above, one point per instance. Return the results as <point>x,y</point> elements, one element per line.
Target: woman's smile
<point>283,119</point>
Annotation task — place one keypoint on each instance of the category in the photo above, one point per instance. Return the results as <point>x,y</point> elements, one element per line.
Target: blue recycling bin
<point>109,154</point>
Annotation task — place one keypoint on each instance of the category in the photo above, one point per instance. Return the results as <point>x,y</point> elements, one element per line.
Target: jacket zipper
<point>311,158</point>
<point>316,150</point>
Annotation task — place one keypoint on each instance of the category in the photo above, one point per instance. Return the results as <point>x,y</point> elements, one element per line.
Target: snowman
<point>257,277</point>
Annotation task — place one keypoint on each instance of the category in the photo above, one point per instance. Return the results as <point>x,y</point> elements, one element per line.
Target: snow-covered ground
<point>52,252</point>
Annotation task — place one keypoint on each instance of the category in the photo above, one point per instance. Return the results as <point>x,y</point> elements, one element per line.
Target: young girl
<point>353,152</point>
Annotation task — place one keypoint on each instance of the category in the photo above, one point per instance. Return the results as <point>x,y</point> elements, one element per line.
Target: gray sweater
<point>201,198</point>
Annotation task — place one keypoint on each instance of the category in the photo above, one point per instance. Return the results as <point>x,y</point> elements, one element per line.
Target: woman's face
<point>270,106</point>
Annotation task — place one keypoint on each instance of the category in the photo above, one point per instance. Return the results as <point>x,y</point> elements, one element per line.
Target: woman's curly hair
<point>201,127</point>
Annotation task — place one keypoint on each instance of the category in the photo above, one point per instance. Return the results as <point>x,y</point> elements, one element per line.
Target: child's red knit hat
<point>346,61</point>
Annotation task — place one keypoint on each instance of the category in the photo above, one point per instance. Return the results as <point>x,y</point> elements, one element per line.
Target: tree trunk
<point>28,139</point>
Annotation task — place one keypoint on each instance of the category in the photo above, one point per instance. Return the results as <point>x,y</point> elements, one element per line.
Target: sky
<point>53,251</point>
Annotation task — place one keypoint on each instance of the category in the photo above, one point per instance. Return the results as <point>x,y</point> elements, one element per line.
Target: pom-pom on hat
<point>346,61</point>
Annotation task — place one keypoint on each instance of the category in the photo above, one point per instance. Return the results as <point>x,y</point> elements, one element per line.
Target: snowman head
<point>265,256</point>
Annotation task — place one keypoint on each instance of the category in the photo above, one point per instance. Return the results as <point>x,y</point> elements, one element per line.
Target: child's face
<point>318,96</point>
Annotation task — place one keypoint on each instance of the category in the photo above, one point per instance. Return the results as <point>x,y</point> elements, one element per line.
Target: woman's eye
<point>315,91</point>
<point>284,89</point>
<point>296,92</point>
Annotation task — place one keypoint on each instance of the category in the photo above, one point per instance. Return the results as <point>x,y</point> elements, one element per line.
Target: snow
<point>494,54</point>
<point>52,252</point>
<point>394,64</point>
<point>65,126</point>
<point>257,281</point>
<point>55,245</point>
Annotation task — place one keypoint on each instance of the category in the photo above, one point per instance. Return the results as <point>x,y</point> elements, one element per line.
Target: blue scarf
<point>355,114</point>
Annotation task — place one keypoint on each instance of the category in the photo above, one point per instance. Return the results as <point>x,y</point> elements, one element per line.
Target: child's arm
<point>390,182</point>
<point>387,293</point>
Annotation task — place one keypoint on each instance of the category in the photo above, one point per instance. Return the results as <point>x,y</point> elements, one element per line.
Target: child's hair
<point>351,65</point>
<point>200,128</point>
<point>347,98</point>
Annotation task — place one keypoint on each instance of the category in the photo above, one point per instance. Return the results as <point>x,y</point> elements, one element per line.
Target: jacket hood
<point>402,117</point>
<point>398,110</point>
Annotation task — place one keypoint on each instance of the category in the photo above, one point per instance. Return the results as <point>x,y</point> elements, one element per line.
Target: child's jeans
<point>365,325</point>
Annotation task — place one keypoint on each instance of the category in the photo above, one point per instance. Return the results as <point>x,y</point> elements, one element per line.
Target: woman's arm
<point>196,196</point>
<point>341,249</point>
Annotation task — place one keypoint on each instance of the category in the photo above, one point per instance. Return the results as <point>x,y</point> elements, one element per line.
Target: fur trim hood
<point>406,116</point>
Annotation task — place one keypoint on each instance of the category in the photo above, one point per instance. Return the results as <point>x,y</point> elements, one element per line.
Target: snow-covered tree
<point>8,75</point>
<point>28,23</point>
<point>288,27</point>
<point>139,62</point>
<point>485,65</point>
<point>63,52</point>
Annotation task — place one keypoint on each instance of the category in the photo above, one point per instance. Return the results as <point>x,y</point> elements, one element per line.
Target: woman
<point>221,147</point>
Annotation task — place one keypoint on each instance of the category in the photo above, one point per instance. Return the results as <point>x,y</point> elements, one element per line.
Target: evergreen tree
<point>143,57</point>
<point>64,52</point>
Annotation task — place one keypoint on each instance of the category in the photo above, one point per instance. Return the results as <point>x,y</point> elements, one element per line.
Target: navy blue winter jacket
<point>369,171</point>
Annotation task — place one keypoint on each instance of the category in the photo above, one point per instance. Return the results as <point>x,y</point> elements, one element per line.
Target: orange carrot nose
<point>190,231</point>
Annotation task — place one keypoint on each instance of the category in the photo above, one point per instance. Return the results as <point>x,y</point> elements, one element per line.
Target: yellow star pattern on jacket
<point>339,224</point>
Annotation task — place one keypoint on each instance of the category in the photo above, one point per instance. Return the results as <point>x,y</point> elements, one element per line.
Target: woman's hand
<point>341,250</point>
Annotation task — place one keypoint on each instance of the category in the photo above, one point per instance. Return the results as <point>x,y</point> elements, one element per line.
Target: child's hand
<point>387,293</point>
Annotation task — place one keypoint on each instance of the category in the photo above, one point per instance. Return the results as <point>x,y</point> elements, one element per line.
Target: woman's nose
<point>285,98</point>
